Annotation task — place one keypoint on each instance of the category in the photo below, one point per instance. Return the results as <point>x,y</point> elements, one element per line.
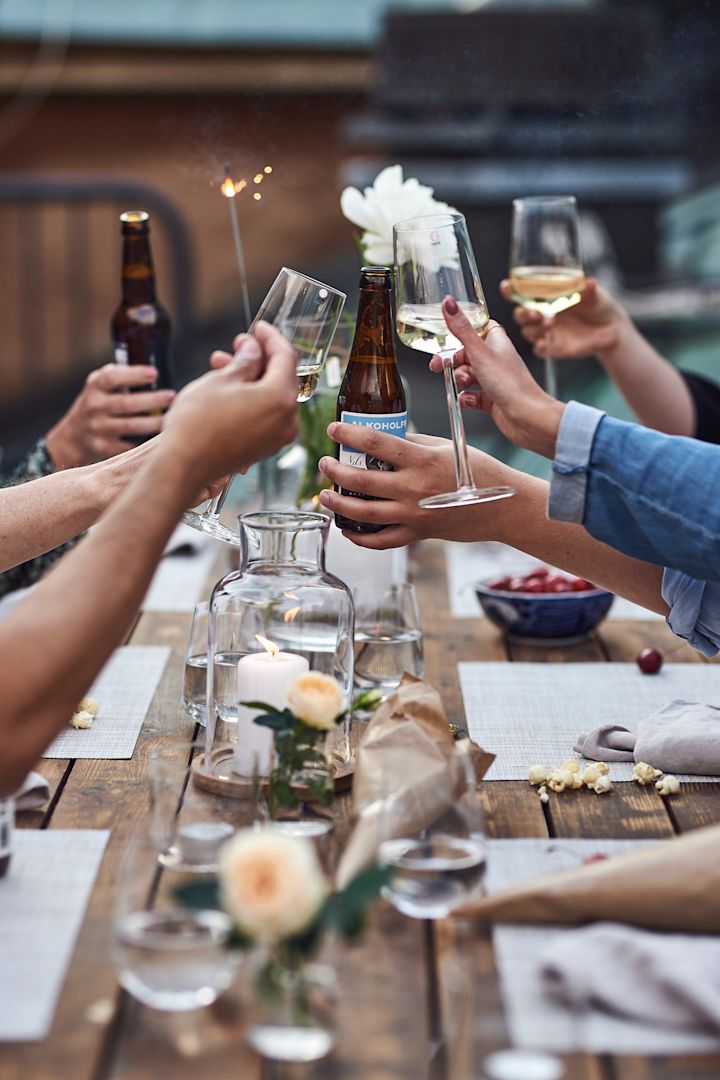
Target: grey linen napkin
<point>668,980</point>
<point>682,737</point>
<point>34,792</point>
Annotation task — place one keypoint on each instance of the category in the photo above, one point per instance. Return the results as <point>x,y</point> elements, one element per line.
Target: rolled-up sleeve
<point>694,610</point>
<point>573,449</point>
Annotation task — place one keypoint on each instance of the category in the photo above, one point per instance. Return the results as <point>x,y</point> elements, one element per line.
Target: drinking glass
<point>306,312</point>
<point>434,259</point>
<point>546,267</point>
<point>168,957</point>
<point>435,850</point>
<point>388,638</point>
<point>195,675</point>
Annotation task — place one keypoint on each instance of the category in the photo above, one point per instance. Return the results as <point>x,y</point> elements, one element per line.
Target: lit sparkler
<point>229,190</point>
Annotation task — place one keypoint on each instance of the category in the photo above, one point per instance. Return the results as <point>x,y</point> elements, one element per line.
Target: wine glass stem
<point>457,427</point>
<point>213,510</point>
<point>550,370</point>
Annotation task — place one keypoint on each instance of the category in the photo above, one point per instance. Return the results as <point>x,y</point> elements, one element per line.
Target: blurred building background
<point>104,107</point>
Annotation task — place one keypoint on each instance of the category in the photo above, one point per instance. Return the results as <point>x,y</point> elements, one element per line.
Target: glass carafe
<point>280,614</point>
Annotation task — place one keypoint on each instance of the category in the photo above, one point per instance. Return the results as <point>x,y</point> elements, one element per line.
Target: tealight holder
<point>279,615</point>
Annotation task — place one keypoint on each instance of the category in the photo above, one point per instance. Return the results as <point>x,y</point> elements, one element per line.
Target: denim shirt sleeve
<point>694,610</point>
<point>568,487</point>
<point>653,496</point>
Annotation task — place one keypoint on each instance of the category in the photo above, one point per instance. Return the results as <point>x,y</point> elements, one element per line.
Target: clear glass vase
<point>291,1012</point>
<point>277,616</point>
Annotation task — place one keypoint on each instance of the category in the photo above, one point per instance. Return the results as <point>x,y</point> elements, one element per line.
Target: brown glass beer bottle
<point>371,393</point>
<point>140,327</point>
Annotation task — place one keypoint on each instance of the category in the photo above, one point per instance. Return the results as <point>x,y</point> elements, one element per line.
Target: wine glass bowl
<point>434,259</point>
<point>546,269</point>
<point>306,312</point>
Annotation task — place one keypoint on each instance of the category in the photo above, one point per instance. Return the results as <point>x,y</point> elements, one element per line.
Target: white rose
<point>271,884</point>
<point>378,208</point>
<point>316,699</point>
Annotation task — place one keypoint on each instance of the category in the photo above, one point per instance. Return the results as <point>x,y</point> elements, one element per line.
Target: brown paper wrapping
<point>408,770</point>
<point>673,885</point>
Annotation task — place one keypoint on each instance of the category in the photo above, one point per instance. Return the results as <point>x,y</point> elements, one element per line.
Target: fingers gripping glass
<point>306,312</point>
<point>434,259</point>
<point>546,269</point>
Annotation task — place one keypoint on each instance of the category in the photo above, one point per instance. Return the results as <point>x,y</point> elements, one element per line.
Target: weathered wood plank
<point>106,795</point>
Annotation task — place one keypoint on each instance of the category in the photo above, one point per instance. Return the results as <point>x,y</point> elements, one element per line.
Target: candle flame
<point>270,646</point>
<point>291,613</point>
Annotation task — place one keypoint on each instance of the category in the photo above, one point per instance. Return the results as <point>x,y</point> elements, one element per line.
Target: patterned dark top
<point>35,463</point>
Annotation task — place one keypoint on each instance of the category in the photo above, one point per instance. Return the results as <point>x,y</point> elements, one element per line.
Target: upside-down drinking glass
<point>306,312</point>
<point>434,259</point>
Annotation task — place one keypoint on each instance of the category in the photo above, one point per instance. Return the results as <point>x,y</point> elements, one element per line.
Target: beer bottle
<point>140,327</point>
<point>371,393</point>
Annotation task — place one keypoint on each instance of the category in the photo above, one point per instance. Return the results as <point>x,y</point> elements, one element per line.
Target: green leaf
<point>345,911</point>
<point>261,705</point>
<point>277,721</point>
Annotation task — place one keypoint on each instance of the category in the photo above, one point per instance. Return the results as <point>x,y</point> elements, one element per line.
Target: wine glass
<point>546,268</point>
<point>306,312</point>
<point>434,259</point>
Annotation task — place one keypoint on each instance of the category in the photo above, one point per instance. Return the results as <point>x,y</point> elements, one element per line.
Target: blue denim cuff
<point>566,501</point>
<point>694,610</point>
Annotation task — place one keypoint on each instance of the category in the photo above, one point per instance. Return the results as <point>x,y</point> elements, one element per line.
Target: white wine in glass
<point>434,259</point>
<point>423,326</point>
<point>546,269</point>
<point>306,312</point>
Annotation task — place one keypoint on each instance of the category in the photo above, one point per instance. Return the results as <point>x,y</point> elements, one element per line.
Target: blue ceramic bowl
<point>544,618</point>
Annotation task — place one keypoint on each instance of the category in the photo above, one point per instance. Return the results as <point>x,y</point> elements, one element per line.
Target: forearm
<point>654,497</point>
<point>57,641</point>
<point>524,525</point>
<point>42,514</point>
<point>653,388</point>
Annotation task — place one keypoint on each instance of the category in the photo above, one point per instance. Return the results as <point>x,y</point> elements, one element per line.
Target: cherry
<point>649,661</point>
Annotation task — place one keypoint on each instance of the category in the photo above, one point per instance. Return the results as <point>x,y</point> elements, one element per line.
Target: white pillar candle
<point>262,676</point>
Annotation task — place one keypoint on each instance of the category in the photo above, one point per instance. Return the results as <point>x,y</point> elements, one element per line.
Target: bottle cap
<point>522,1065</point>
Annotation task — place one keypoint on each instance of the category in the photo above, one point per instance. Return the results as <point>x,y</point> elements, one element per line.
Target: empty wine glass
<point>434,259</point>
<point>546,268</point>
<point>306,312</point>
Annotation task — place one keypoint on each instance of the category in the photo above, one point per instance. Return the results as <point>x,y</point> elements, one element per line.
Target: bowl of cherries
<point>543,606</point>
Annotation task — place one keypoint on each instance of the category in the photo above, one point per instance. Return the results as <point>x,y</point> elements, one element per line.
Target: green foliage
<point>313,419</point>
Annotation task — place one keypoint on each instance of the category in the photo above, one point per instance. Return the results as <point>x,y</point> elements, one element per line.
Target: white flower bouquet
<point>376,209</point>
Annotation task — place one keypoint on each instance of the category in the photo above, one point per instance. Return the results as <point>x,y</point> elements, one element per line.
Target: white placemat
<point>124,690</point>
<point>487,561</point>
<point>180,581</point>
<point>529,714</point>
<point>42,903</point>
<point>534,1018</point>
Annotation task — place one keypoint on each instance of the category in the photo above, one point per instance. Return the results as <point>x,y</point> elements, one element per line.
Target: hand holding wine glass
<point>591,326</point>
<point>434,259</point>
<point>493,377</point>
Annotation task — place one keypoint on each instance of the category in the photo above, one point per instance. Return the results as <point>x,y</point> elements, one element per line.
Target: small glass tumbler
<point>167,956</point>
<point>388,637</point>
<point>195,675</point>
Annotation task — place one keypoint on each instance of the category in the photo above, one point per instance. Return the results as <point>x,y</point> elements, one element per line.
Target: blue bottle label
<point>389,423</point>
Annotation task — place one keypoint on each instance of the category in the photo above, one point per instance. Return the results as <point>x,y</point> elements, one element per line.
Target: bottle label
<point>121,354</point>
<point>389,423</point>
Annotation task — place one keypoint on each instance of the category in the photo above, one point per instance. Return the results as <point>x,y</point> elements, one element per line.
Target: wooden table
<point>391,1014</point>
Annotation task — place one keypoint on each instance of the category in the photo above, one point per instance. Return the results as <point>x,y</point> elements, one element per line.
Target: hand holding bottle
<point>104,416</point>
